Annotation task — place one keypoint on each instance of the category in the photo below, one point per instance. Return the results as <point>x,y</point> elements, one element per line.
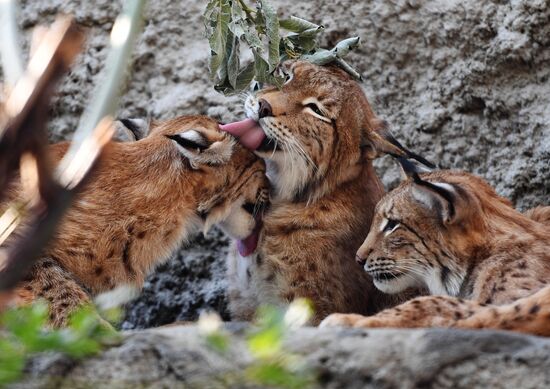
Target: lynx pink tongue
<point>248,245</point>
<point>248,131</point>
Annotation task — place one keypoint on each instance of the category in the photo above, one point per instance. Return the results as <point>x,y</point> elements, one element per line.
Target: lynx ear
<point>380,141</point>
<point>131,129</point>
<point>439,198</point>
<point>411,169</point>
<point>195,145</point>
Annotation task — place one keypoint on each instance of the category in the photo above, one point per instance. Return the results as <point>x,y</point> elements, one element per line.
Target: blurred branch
<point>26,108</point>
<point>12,64</point>
<point>23,140</point>
<point>45,215</point>
<point>24,131</point>
<point>123,36</point>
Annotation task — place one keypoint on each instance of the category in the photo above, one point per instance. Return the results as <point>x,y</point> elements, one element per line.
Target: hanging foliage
<point>232,25</point>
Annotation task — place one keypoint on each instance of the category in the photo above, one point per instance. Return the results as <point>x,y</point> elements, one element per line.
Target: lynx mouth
<point>248,245</point>
<point>268,145</point>
<point>250,134</point>
<point>382,276</point>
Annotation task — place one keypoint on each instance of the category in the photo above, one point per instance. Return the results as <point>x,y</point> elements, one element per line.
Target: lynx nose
<point>360,261</point>
<point>265,109</point>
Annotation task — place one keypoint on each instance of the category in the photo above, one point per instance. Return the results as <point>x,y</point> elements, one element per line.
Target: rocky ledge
<point>179,357</point>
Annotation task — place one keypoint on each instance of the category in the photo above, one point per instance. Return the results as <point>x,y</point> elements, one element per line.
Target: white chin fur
<point>116,297</point>
<point>396,285</point>
<point>239,224</point>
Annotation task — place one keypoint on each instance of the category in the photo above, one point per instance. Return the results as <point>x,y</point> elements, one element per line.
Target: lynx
<point>318,136</point>
<point>143,200</point>
<point>485,264</point>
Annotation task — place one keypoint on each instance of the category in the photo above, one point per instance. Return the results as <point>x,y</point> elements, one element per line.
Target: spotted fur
<point>143,200</point>
<point>487,265</point>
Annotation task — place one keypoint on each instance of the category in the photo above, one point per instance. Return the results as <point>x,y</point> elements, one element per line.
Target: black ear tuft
<point>129,124</point>
<point>410,169</point>
<point>138,127</point>
<point>389,137</point>
<point>191,140</point>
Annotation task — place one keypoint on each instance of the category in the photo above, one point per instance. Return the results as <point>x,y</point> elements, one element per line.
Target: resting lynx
<point>450,232</point>
<point>145,198</point>
<point>318,135</point>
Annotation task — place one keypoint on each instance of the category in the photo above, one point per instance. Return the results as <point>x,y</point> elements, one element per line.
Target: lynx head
<point>230,180</point>
<point>315,132</point>
<point>427,232</point>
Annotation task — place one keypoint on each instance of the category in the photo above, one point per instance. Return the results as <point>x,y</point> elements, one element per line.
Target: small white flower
<point>209,323</point>
<point>298,313</point>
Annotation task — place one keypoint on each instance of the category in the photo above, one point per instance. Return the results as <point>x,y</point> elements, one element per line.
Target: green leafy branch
<point>272,365</point>
<point>232,24</point>
<point>24,332</point>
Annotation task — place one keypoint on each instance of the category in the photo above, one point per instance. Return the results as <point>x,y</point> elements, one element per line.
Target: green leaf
<point>342,48</point>
<point>12,362</point>
<point>296,24</point>
<point>218,37</point>
<point>238,23</point>
<point>275,80</point>
<point>218,341</point>
<point>245,77</point>
<point>272,32</point>
<point>261,68</point>
<point>276,374</point>
<point>233,63</point>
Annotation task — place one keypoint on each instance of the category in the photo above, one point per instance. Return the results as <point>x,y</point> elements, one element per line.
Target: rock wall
<point>466,83</point>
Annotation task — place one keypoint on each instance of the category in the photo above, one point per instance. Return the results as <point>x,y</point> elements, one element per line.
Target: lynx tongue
<point>248,245</point>
<point>248,131</point>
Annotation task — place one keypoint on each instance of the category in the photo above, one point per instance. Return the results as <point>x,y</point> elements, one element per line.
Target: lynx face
<point>314,126</point>
<point>422,234</point>
<point>234,189</point>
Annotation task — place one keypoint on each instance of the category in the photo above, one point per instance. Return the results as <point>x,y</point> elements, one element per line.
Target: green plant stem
<point>247,10</point>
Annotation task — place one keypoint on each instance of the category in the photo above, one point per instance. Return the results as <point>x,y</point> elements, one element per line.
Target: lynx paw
<point>342,320</point>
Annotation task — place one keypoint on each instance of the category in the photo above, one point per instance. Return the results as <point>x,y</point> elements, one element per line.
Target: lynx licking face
<point>318,135</point>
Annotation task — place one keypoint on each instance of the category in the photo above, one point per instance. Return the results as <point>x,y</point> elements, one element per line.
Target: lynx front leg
<point>428,311</point>
<point>529,315</point>
<point>51,282</point>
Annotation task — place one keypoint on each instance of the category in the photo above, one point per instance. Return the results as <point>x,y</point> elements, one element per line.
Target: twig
<point>45,216</point>
<point>123,36</point>
<point>23,132</point>
<point>29,98</point>
<point>93,133</point>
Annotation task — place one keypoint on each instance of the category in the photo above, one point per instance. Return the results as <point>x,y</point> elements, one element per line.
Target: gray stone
<point>175,357</point>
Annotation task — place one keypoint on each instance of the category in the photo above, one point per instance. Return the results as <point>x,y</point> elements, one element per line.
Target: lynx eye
<point>288,77</point>
<point>314,108</point>
<point>249,207</point>
<point>390,225</point>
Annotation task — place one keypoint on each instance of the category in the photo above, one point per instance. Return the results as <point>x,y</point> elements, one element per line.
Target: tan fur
<point>324,193</point>
<point>539,214</point>
<point>490,262</point>
<point>144,198</point>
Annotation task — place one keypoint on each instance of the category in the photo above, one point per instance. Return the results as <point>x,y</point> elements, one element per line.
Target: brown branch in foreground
<point>23,132</point>
<point>26,109</point>
<point>45,215</point>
